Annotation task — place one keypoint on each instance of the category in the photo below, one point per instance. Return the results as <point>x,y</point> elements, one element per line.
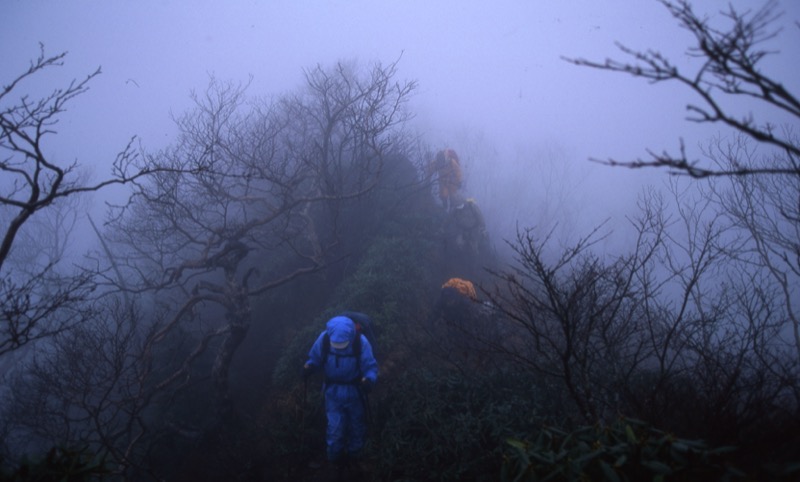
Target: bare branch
<point>731,68</point>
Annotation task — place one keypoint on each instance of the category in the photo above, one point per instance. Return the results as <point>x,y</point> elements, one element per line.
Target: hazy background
<point>492,81</point>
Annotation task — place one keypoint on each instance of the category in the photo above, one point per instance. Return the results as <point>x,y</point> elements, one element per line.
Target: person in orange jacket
<point>464,287</point>
<point>447,168</point>
<point>456,301</point>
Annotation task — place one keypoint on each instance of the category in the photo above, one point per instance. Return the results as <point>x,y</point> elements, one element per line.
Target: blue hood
<point>341,330</point>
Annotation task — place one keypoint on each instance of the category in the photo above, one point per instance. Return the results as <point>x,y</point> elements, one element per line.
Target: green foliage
<point>390,284</point>
<point>60,464</point>
<point>391,281</point>
<point>447,426</point>
<point>627,450</point>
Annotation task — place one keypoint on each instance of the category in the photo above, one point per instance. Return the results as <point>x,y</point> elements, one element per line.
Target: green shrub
<point>448,426</point>
<point>390,285</point>
<point>627,450</point>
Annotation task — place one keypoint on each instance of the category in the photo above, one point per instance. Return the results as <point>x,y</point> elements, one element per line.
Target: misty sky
<point>492,83</point>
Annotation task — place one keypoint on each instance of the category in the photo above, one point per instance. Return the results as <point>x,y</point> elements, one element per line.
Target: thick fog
<point>175,340</point>
<point>493,82</point>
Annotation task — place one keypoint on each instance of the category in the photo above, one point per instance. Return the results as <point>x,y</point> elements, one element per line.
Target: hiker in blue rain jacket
<point>350,372</point>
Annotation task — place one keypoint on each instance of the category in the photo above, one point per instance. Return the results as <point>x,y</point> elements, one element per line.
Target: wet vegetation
<point>179,356</point>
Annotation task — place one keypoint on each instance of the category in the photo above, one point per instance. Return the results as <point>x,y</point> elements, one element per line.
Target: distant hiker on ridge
<point>447,168</point>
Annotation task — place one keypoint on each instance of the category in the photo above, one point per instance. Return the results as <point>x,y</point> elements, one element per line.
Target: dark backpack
<point>363,327</point>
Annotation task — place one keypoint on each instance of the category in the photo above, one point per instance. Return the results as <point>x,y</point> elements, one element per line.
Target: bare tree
<point>37,301</point>
<point>244,202</point>
<point>581,322</point>
<point>261,204</point>
<point>730,68</point>
<point>761,160</point>
<point>673,332</point>
<point>765,211</point>
<point>89,388</point>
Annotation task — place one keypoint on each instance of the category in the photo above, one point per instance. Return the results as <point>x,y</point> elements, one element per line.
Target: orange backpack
<point>463,286</point>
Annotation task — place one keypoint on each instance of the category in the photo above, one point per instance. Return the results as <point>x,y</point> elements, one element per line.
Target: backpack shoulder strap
<point>326,347</point>
<point>357,352</point>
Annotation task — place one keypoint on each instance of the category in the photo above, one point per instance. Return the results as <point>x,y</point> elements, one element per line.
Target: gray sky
<point>492,83</point>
